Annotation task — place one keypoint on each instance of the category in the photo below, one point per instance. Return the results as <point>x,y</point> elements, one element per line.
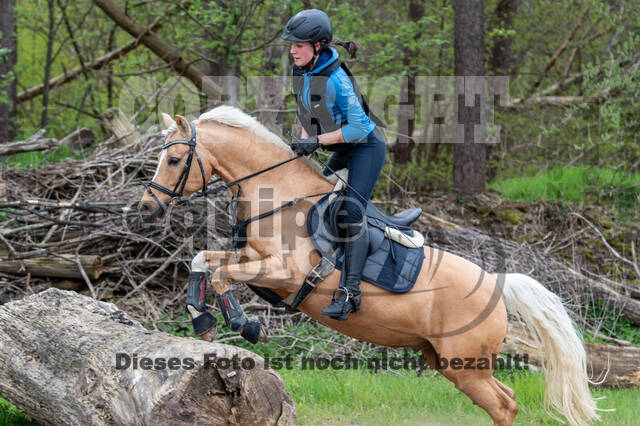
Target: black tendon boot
<point>203,322</point>
<point>236,319</point>
<point>356,249</point>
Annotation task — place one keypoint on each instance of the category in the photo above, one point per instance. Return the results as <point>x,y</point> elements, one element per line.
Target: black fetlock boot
<point>356,249</point>
<point>236,320</point>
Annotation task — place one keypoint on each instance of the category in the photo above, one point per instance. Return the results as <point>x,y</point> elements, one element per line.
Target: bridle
<point>238,227</point>
<point>178,189</point>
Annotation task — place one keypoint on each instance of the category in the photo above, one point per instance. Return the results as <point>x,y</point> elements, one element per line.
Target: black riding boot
<point>356,249</point>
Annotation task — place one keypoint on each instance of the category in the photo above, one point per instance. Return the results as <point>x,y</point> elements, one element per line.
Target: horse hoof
<point>252,331</point>
<point>207,337</point>
<point>203,324</point>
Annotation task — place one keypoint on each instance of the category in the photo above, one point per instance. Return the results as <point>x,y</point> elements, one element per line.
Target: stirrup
<point>351,303</point>
<point>343,290</point>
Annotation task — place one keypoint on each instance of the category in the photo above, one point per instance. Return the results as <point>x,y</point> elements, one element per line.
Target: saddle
<point>395,255</point>
<point>395,249</point>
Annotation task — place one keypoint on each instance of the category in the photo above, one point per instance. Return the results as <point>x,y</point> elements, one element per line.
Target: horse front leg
<point>203,322</point>
<point>209,260</point>
<point>263,270</point>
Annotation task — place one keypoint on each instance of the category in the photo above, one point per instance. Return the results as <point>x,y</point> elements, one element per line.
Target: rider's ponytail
<point>351,46</point>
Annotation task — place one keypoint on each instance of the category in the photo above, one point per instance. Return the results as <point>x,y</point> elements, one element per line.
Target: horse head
<point>184,167</point>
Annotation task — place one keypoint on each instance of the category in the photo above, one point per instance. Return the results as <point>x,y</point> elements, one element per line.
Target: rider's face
<point>302,52</point>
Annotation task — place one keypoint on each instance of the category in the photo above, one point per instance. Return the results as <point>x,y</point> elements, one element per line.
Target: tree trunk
<point>8,61</point>
<point>406,113</point>
<point>501,52</point>
<point>271,90</point>
<point>169,54</point>
<point>75,72</point>
<point>469,158</point>
<point>59,352</point>
<point>501,60</point>
<point>47,63</point>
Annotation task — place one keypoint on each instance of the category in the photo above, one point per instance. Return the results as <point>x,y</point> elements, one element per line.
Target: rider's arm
<point>331,137</point>
<point>358,125</point>
<point>327,138</point>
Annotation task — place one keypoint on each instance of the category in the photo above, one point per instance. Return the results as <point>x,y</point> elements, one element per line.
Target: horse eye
<point>173,161</point>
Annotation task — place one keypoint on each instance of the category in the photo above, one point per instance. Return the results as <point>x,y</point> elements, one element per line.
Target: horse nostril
<point>145,210</point>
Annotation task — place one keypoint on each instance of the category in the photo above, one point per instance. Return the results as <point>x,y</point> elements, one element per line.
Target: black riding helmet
<point>310,25</point>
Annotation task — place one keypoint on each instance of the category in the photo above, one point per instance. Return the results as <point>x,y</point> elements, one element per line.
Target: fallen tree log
<point>81,138</point>
<point>61,266</point>
<point>614,365</point>
<point>59,355</point>
<point>34,143</point>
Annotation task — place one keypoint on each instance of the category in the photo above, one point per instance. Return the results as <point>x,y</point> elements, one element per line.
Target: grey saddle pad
<point>390,265</point>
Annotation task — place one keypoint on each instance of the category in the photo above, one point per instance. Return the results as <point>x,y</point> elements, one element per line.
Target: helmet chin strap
<point>316,53</point>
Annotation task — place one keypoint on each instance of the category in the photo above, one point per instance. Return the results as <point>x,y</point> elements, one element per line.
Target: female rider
<point>334,117</point>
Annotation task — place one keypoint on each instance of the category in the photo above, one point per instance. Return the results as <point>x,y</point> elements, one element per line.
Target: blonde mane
<point>231,116</point>
<point>234,117</point>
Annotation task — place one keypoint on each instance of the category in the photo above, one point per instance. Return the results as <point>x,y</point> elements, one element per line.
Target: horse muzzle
<point>150,211</point>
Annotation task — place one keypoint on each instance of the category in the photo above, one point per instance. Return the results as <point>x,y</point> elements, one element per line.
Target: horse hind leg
<point>487,392</point>
<point>506,389</point>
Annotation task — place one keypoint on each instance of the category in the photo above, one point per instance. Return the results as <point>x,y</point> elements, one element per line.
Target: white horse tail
<point>567,388</point>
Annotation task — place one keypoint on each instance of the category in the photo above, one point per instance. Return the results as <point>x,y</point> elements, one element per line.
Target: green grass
<point>363,397</point>
<point>10,415</point>
<point>575,185</point>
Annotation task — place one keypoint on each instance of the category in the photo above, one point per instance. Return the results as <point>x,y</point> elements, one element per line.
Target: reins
<point>239,228</point>
<point>176,196</point>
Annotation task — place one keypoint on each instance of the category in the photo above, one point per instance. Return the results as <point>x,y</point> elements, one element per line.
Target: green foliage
<point>11,416</point>
<point>41,158</point>
<point>610,323</point>
<point>575,184</point>
<point>180,326</point>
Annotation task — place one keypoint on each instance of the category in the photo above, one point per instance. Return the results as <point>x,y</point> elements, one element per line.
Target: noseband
<point>239,228</point>
<point>178,189</point>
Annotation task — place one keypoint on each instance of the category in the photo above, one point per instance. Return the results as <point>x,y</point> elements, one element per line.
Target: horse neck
<point>240,152</point>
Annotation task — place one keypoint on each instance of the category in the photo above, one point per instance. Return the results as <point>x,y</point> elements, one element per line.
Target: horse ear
<point>168,121</point>
<point>183,126</point>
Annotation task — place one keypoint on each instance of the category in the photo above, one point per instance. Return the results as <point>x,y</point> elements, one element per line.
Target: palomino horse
<point>455,309</point>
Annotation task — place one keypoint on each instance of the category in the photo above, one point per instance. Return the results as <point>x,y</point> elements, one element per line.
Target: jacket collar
<point>327,57</point>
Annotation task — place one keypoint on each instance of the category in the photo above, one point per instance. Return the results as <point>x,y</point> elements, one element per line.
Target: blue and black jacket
<point>328,99</point>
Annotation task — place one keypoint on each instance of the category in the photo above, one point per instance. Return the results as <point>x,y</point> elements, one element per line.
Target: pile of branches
<point>74,225</point>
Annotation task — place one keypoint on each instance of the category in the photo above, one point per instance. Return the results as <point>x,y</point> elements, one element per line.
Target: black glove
<point>305,146</point>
